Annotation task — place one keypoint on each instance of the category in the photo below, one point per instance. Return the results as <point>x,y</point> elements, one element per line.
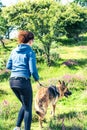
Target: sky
<point>10,2</point>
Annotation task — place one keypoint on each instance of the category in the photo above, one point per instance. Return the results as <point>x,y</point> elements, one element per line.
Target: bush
<point>2,63</point>
<point>54,56</point>
<point>4,76</point>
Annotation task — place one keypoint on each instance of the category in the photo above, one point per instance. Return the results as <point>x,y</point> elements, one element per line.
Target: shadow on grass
<point>59,122</point>
<point>60,127</point>
<point>82,62</point>
<point>71,42</point>
<point>67,115</point>
<point>71,115</point>
<point>57,63</point>
<point>73,63</point>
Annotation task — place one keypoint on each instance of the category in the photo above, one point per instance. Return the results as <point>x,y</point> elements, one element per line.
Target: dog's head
<point>63,90</point>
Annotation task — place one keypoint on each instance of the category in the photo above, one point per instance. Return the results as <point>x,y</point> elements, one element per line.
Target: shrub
<point>2,63</point>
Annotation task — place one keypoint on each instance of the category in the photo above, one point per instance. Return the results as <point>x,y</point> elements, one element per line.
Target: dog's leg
<point>40,122</point>
<point>53,110</point>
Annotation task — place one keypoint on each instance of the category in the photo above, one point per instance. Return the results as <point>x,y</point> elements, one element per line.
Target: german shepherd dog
<point>47,95</point>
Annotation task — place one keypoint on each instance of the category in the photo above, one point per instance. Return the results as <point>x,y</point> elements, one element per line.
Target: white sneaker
<point>17,128</point>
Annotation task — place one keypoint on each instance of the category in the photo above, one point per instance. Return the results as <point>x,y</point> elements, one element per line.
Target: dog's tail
<point>40,114</point>
<point>39,110</point>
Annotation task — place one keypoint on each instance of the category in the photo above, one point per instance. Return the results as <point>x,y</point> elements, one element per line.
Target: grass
<point>71,113</point>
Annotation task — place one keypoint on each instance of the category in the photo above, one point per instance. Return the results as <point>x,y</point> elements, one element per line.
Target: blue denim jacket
<point>22,62</point>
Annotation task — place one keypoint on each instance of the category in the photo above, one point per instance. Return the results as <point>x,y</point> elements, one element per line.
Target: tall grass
<point>71,113</point>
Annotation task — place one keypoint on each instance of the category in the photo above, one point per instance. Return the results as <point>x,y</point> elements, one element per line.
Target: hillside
<point>71,66</point>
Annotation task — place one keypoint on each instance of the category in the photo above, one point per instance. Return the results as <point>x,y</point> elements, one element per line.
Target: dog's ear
<point>59,82</point>
<point>63,85</point>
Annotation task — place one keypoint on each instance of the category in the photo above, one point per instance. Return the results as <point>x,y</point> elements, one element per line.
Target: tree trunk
<point>3,44</point>
<point>47,51</point>
<point>48,60</point>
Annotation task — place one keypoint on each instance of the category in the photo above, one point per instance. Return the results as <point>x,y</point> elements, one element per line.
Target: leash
<point>41,85</point>
<point>54,88</point>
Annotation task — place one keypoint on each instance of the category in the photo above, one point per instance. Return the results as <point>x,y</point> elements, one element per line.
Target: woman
<point>22,63</point>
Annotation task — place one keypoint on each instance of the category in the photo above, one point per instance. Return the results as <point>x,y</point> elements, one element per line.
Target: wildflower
<point>5,103</point>
<point>67,77</point>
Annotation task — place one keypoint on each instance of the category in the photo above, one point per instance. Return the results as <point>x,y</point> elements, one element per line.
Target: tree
<point>74,20</point>
<point>5,29</point>
<point>2,28</point>
<point>81,2</point>
<point>40,17</point>
<point>48,20</point>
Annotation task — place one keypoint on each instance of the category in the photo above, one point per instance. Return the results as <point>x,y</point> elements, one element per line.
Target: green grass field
<point>71,113</point>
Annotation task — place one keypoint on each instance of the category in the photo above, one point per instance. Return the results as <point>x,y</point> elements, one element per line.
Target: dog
<point>47,95</point>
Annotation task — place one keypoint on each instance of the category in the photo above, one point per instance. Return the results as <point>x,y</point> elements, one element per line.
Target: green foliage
<point>48,19</point>
<point>81,2</point>
<point>74,20</point>
<point>4,76</point>
<point>38,16</point>
<point>2,63</point>
<point>2,22</point>
<point>4,26</point>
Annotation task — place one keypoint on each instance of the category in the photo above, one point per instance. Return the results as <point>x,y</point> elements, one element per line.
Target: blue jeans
<point>23,90</point>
